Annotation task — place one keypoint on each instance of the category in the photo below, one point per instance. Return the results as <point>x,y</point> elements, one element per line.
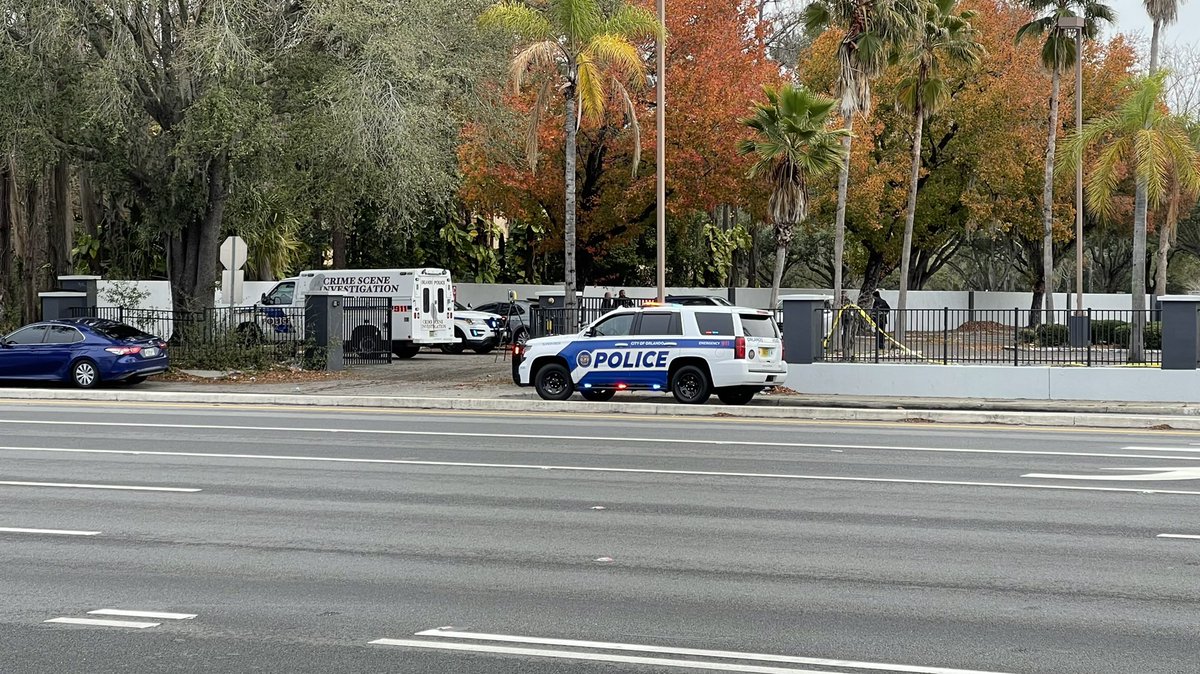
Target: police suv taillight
<point>739,348</point>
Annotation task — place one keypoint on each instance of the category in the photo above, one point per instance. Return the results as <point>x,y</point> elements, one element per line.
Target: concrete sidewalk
<point>800,408</point>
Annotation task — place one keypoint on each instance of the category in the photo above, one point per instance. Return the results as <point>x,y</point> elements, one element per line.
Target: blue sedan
<point>83,352</point>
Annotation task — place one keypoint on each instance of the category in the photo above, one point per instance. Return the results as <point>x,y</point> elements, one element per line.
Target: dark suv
<point>516,314</point>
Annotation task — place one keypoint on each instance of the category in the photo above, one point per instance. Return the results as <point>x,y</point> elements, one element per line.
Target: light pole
<point>1077,24</point>
<point>660,153</point>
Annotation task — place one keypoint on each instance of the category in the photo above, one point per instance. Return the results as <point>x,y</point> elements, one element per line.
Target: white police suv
<point>691,351</point>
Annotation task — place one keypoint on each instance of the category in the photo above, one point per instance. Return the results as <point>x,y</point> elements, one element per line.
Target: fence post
<point>945,335</point>
<point>1089,342</point>
<point>1016,336</point>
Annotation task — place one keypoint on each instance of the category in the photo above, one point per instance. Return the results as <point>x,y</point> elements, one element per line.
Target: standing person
<point>880,310</point>
<point>607,303</point>
<point>845,316</point>
<point>622,300</point>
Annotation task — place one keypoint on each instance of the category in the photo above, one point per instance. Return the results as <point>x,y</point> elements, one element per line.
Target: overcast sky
<point>1132,19</point>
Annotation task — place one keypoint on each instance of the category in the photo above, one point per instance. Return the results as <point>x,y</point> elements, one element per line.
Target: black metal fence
<point>367,331</point>
<point>1000,337</point>
<point>545,321</point>
<point>218,338</point>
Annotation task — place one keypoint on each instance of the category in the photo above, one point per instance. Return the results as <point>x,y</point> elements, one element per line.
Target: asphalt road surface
<point>312,540</point>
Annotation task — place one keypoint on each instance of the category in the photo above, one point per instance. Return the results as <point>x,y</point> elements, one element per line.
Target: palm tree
<point>1155,145</point>
<point>945,38</point>
<point>1163,13</point>
<point>792,143</point>
<point>579,47</point>
<point>871,28</point>
<point>1058,56</point>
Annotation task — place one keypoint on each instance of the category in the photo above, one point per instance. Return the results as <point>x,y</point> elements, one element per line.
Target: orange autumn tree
<point>716,64</point>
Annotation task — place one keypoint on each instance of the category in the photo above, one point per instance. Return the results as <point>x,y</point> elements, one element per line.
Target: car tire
<point>737,395</point>
<point>553,382</point>
<point>521,336</point>
<point>85,374</point>
<point>691,385</point>
<point>405,351</point>
<point>134,381</point>
<point>598,395</point>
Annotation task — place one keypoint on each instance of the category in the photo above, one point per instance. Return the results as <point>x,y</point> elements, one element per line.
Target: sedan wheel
<point>84,374</point>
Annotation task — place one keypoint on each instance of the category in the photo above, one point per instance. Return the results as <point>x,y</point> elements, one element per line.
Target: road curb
<point>1076,419</point>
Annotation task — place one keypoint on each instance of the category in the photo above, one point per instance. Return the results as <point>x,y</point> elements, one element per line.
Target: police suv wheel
<point>597,395</point>
<point>690,385</point>
<point>553,382</point>
<point>737,395</point>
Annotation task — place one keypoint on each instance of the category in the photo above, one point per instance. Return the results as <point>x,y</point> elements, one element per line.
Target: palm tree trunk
<point>910,216</point>
<point>1048,201</point>
<point>839,229</point>
<point>777,277</point>
<point>1137,351</point>
<point>1154,46</point>
<point>1166,232</point>
<point>569,217</point>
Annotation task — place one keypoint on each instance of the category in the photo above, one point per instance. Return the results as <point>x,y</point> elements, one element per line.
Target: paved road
<point>798,547</point>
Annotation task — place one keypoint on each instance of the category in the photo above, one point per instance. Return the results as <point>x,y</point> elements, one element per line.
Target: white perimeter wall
<point>1113,384</point>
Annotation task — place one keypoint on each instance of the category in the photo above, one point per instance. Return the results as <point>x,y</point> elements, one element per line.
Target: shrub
<point>1105,331</point>
<point>1045,335</point>
<point>1153,335</point>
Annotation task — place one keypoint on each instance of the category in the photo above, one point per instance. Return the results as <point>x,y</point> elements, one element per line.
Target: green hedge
<point>1045,335</point>
<point>1153,335</point>
<point>1105,332</point>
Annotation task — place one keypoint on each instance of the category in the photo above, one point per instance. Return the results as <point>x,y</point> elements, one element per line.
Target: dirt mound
<point>983,326</point>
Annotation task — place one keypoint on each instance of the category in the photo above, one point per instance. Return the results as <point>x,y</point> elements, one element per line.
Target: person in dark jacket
<point>623,301</point>
<point>879,313</point>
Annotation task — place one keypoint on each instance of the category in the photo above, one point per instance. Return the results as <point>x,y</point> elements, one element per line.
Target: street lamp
<point>660,154</point>
<point>1077,25</point>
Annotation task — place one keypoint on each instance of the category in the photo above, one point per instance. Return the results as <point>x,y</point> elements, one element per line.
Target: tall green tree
<point>945,38</point>
<point>792,143</point>
<point>583,49</point>
<point>871,28</point>
<point>1144,136</point>
<point>1058,56</point>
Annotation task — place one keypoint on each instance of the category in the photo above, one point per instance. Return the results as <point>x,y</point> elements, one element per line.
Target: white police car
<point>691,351</point>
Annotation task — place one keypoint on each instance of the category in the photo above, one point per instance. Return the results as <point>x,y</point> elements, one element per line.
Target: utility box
<point>803,328</point>
<point>1180,332</point>
<point>323,327</point>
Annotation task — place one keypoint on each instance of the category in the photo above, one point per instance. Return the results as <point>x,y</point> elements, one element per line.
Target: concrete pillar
<point>82,284</point>
<point>324,324</point>
<point>64,304</point>
<point>1180,331</point>
<point>803,328</point>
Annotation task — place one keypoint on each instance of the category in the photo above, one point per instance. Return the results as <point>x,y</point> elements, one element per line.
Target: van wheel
<point>367,340</point>
<point>248,334</point>
<point>737,395</point>
<point>598,395</point>
<point>553,382</point>
<point>690,386</point>
<point>405,351</point>
<point>457,347</point>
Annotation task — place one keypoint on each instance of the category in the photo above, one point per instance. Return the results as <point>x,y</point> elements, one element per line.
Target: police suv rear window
<point>755,325</point>
<point>661,323</point>
<point>712,323</point>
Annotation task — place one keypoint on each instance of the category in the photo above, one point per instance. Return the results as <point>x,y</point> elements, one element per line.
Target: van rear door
<point>433,307</point>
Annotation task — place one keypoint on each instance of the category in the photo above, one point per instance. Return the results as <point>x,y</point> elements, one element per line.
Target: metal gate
<point>367,330</point>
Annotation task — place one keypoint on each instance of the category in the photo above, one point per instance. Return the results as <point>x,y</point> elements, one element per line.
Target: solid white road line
<point>103,623</point>
<point>1185,536</point>
<point>143,614</point>
<point>601,440</point>
<point>53,532</point>
<point>599,469</point>
<point>115,487</point>
<point>1142,448</point>
<point>598,657</point>
<point>696,652</point>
